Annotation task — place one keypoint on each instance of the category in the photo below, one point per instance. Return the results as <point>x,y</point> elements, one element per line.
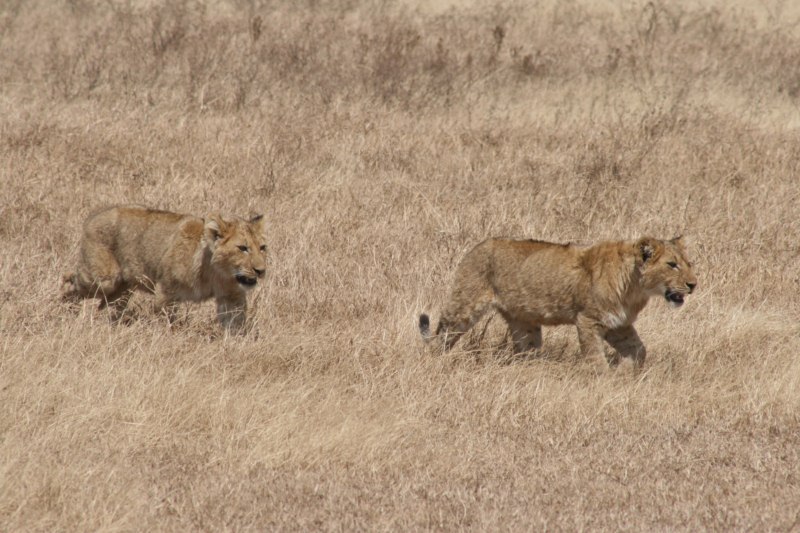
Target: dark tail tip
<point>425,325</point>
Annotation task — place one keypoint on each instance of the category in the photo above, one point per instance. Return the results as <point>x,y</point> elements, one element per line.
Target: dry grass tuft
<point>382,141</point>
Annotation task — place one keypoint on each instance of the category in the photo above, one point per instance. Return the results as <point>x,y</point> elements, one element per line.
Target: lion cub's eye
<point>263,248</point>
<point>672,264</point>
<point>243,248</point>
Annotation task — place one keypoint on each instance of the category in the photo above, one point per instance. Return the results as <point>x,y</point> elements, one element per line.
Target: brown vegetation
<point>382,141</point>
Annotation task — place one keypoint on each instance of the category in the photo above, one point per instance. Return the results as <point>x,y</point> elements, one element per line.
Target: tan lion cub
<point>177,257</point>
<point>600,289</point>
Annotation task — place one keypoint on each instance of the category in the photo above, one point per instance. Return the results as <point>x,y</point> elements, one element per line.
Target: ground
<point>382,141</point>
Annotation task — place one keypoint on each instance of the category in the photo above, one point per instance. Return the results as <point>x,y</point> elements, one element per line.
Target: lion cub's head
<point>238,251</point>
<point>665,269</point>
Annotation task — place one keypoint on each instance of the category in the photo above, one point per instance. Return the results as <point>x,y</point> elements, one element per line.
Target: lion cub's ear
<point>215,228</point>
<point>682,241</point>
<point>647,248</point>
<point>258,222</point>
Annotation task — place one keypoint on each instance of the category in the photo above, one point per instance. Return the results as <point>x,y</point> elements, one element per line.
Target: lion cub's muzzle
<point>676,297</point>
<point>249,281</point>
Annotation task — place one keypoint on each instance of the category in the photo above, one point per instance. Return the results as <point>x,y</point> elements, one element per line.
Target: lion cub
<point>600,289</point>
<point>177,257</point>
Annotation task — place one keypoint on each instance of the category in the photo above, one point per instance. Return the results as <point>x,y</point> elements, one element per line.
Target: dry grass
<point>382,142</point>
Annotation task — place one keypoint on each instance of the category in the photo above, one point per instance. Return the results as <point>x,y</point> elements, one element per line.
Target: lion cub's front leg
<point>627,343</point>
<point>591,336</point>
<point>232,312</point>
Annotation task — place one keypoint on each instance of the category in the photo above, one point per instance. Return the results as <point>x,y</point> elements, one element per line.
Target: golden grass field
<point>382,141</point>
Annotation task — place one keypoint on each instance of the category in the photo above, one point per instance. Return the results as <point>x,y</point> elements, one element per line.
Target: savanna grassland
<point>382,140</point>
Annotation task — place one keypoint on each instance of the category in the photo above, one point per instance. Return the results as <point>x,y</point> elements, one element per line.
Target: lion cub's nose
<point>259,272</point>
<point>691,287</point>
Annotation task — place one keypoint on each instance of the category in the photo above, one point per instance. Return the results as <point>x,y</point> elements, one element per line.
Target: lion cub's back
<point>518,267</point>
<point>137,236</point>
<point>513,255</point>
<point>509,262</point>
<point>125,223</point>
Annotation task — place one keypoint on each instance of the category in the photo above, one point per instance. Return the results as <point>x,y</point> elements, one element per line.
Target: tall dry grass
<point>382,141</point>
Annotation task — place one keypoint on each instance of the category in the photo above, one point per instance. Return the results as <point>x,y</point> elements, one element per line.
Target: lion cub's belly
<point>546,315</point>
<point>537,300</point>
<point>194,294</point>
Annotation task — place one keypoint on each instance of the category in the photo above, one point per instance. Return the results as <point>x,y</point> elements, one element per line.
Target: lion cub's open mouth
<point>246,280</point>
<point>674,298</point>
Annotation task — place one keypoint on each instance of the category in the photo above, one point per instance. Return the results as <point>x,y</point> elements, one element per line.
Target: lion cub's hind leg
<point>471,297</point>
<point>460,315</point>
<point>98,275</point>
<point>525,336</point>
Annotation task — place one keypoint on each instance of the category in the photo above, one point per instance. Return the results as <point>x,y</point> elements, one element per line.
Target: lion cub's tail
<point>425,327</point>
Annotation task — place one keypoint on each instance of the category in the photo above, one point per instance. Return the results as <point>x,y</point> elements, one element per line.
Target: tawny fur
<point>600,289</point>
<point>177,257</point>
